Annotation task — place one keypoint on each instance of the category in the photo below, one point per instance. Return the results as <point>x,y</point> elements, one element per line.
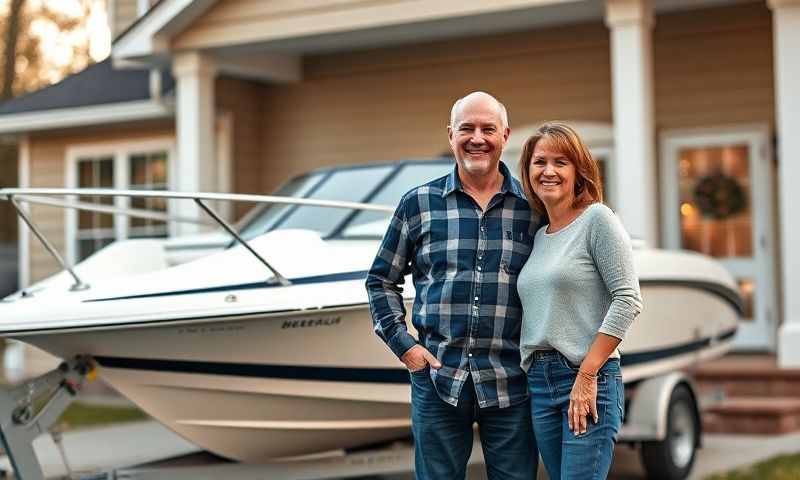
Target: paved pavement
<point>141,443</point>
<point>720,453</point>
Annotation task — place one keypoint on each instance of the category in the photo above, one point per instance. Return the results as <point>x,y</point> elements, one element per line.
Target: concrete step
<point>745,376</point>
<point>753,415</point>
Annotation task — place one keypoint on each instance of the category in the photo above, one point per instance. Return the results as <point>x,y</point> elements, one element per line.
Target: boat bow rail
<point>43,196</point>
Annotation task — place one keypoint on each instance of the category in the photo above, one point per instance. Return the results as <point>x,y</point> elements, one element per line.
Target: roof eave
<point>147,40</point>
<point>85,116</point>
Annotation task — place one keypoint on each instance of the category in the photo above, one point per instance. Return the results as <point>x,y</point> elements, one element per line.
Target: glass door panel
<point>716,215</point>
<point>717,202</point>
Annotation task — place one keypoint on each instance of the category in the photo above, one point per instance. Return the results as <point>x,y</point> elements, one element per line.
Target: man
<point>464,237</point>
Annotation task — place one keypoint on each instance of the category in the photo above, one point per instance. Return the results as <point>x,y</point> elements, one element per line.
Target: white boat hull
<point>290,384</point>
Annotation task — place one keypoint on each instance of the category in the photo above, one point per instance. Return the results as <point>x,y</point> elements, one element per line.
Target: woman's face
<point>552,174</point>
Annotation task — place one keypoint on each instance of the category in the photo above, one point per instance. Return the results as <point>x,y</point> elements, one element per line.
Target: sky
<point>57,46</point>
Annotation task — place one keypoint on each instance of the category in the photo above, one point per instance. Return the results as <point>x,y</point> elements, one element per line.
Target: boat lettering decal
<point>203,329</point>
<point>311,322</point>
<point>333,277</point>
<point>184,320</point>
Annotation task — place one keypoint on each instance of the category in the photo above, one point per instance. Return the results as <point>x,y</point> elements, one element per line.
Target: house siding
<point>48,164</point>
<point>124,14</point>
<point>243,100</point>
<point>712,67</point>
<point>235,22</point>
<point>394,103</point>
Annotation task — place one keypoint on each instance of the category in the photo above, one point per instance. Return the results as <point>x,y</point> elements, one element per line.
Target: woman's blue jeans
<point>567,456</point>
<point>443,435</point>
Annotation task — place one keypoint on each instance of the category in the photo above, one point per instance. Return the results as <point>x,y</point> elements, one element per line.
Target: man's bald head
<point>478,132</point>
<point>478,97</point>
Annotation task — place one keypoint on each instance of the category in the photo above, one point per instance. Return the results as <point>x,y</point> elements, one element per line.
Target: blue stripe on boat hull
<point>344,374</point>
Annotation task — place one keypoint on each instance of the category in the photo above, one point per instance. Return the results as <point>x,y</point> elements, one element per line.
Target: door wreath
<point>719,196</point>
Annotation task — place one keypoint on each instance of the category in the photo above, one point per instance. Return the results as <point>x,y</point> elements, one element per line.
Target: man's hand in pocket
<point>418,357</point>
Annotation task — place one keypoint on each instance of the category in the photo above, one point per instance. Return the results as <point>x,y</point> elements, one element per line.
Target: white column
<point>194,111</point>
<point>634,181</point>
<point>786,31</point>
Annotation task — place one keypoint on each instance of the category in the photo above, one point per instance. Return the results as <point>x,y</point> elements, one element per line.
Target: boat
<point>255,341</point>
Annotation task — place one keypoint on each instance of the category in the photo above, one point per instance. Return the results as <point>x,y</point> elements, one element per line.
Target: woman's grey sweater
<point>577,282</point>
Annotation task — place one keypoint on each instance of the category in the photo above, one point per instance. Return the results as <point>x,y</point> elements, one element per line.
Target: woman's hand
<point>582,402</point>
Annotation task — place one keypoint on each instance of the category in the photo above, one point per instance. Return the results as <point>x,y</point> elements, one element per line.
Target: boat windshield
<point>377,184</point>
<point>374,224</point>
<point>264,216</point>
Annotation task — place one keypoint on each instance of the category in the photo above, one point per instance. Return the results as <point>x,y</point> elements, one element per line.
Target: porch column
<point>786,31</point>
<point>194,115</point>
<point>634,181</point>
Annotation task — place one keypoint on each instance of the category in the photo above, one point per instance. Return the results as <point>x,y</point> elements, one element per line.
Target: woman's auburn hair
<point>562,138</point>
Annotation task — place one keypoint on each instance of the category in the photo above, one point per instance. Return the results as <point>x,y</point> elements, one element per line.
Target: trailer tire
<point>673,457</point>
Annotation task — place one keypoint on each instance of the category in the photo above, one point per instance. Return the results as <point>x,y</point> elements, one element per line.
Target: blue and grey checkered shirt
<point>464,263</point>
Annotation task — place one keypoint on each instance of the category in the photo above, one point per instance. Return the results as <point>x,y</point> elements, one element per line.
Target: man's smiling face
<point>477,134</point>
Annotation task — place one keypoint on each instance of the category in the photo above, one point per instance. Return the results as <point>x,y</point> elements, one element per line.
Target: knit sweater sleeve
<point>610,247</point>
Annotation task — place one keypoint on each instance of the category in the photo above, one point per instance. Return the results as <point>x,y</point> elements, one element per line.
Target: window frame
<point>120,152</point>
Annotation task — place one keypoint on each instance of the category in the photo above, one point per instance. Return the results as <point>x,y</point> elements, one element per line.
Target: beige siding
<point>235,22</point>
<point>125,13</point>
<point>242,99</point>
<point>394,103</point>
<point>714,67</point>
<point>47,170</point>
<point>47,162</point>
<point>8,178</point>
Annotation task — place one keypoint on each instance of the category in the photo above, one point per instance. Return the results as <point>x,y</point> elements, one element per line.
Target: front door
<point>717,200</point>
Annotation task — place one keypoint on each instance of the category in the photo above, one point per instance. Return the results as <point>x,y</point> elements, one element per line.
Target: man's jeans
<point>443,435</point>
<point>565,455</point>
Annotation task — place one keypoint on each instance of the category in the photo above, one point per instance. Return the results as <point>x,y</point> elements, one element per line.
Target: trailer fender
<point>647,410</point>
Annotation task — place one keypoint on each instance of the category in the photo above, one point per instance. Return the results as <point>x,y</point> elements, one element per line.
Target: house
<point>693,107</point>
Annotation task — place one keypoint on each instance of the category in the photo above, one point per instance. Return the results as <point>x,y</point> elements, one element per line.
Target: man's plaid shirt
<point>464,263</point>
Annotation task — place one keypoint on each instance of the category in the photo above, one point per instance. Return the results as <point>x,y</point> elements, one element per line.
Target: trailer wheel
<point>673,457</point>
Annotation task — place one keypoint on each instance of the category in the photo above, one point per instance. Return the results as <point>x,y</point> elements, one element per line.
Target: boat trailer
<point>30,409</point>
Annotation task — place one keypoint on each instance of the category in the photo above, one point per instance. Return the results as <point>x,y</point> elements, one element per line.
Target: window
<point>95,230</point>
<point>148,171</point>
<point>136,166</point>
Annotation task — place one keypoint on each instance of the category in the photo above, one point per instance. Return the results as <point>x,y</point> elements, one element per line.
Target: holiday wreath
<point>719,196</point>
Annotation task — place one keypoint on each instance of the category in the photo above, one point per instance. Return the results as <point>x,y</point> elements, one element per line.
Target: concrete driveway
<point>720,453</point>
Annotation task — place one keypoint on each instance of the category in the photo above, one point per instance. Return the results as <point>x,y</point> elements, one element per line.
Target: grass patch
<point>80,415</point>
<point>783,467</point>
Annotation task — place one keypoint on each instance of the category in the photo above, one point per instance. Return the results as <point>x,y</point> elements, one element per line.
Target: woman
<point>579,294</point>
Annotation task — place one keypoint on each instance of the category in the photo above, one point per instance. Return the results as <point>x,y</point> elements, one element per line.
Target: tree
<point>11,38</point>
<point>31,69</point>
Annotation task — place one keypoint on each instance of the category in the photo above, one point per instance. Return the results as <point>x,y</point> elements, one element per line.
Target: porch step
<point>747,375</point>
<point>753,415</point>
